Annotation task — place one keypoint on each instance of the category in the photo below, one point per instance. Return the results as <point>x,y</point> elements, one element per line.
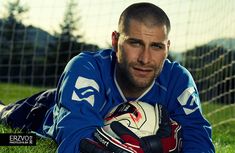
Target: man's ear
<point>115,36</point>
<point>168,47</point>
<point>168,44</point>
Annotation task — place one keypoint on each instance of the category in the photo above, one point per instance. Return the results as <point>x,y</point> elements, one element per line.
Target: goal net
<point>213,68</point>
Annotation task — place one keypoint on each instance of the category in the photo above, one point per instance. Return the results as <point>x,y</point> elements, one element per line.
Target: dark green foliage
<point>30,55</point>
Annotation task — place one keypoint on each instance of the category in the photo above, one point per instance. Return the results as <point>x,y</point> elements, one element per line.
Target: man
<point>136,69</point>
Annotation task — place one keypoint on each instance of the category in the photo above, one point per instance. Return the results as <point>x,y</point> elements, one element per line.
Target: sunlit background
<point>194,22</point>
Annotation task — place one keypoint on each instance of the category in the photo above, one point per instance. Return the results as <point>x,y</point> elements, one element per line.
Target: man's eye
<point>135,43</point>
<point>157,46</point>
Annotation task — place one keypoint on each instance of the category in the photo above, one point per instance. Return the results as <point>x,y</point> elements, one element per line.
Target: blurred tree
<point>12,41</point>
<point>66,40</point>
<point>69,26</point>
<point>16,11</point>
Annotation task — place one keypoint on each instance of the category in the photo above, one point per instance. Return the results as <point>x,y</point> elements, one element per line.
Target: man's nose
<point>144,56</point>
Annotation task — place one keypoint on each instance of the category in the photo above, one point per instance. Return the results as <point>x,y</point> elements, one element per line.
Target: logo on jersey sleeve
<point>189,100</point>
<point>85,90</point>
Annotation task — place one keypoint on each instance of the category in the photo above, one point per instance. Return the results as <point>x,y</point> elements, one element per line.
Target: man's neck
<point>130,92</point>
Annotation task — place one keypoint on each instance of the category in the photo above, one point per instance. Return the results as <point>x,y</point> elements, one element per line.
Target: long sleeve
<point>78,101</point>
<point>184,106</point>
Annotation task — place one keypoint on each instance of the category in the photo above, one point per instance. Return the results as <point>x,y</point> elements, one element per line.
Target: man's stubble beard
<point>130,82</point>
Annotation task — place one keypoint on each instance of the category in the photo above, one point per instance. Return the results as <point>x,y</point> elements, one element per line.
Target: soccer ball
<point>140,117</point>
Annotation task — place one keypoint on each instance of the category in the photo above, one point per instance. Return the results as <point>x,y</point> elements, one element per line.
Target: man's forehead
<point>144,36</point>
<point>134,22</point>
<point>140,28</point>
<point>125,37</point>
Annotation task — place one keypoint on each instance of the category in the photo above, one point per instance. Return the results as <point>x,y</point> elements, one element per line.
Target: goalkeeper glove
<point>167,139</point>
<point>129,142</point>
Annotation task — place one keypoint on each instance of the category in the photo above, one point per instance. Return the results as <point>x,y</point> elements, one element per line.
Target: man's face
<point>141,53</point>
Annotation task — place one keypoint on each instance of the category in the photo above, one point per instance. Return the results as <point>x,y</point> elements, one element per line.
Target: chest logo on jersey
<point>189,100</point>
<point>85,90</point>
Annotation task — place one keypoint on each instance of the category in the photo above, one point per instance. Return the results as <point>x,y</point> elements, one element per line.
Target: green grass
<point>222,118</point>
<point>223,137</point>
<point>10,93</point>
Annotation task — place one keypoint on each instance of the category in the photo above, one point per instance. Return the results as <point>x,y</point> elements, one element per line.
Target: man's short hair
<point>146,13</point>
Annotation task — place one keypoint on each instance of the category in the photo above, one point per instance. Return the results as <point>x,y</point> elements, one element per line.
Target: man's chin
<point>143,83</point>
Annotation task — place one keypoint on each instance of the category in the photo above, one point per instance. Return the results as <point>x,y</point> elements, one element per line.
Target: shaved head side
<point>147,13</point>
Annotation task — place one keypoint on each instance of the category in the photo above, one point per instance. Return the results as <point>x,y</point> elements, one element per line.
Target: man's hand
<point>166,140</point>
<point>105,143</point>
<point>130,143</point>
<point>173,143</point>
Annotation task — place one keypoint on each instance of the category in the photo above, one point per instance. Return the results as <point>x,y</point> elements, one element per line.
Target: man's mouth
<point>142,71</point>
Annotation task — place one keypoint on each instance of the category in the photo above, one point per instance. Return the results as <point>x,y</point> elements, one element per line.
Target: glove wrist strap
<point>153,144</point>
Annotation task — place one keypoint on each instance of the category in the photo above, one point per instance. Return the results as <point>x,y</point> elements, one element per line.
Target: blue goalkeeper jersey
<point>88,89</point>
